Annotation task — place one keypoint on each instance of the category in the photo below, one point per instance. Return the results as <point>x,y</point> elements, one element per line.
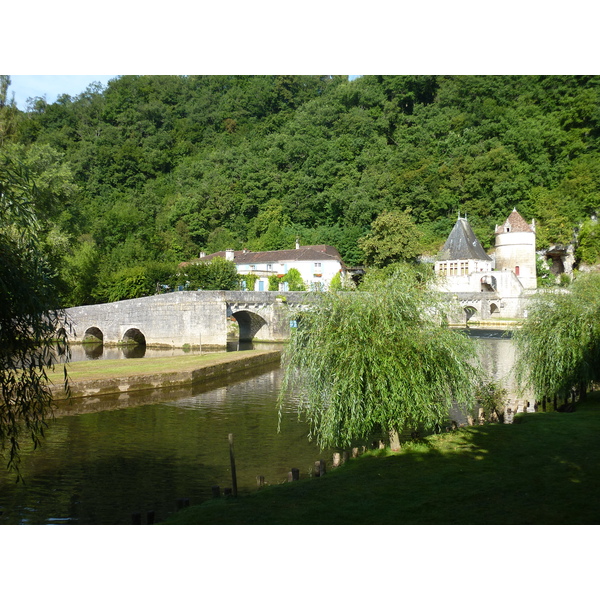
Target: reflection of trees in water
<point>498,356</point>
<point>93,351</point>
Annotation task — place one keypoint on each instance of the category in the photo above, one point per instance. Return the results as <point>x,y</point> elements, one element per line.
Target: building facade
<point>490,286</point>
<point>317,265</point>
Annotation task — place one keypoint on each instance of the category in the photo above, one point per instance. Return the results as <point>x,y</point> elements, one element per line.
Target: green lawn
<point>543,469</point>
<point>103,369</point>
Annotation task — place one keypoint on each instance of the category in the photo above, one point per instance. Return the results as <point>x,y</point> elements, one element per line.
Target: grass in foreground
<point>543,469</point>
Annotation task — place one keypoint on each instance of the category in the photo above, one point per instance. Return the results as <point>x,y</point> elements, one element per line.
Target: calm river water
<point>100,467</point>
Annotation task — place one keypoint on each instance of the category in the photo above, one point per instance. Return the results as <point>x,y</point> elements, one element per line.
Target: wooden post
<point>136,518</point>
<point>260,480</point>
<point>232,459</point>
<point>150,517</point>
<point>183,503</point>
<point>354,452</point>
<point>481,416</point>
<point>319,468</point>
<point>345,456</point>
<point>295,474</point>
<point>227,491</point>
<point>216,491</point>
<point>337,459</point>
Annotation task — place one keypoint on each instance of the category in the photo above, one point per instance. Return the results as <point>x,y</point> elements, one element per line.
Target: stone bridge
<point>180,319</point>
<point>485,306</point>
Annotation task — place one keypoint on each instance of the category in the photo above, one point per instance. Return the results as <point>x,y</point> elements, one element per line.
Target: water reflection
<point>498,355</point>
<point>105,458</point>
<point>97,351</point>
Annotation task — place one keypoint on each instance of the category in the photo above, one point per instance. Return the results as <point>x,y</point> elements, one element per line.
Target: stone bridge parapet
<point>180,319</point>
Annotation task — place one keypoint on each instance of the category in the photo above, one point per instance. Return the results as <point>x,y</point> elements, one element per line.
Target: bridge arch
<point>249,324</point>
<point>470,312</point>
<point>93,335</point>
<point>134,336</point>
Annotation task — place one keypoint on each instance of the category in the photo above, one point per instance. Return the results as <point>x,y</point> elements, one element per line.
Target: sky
<point>50,86</point>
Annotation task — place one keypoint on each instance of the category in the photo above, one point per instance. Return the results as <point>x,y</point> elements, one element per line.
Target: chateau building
<point>490,286</point>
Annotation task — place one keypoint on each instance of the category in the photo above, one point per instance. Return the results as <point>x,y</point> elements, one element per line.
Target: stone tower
<point>515,249</point>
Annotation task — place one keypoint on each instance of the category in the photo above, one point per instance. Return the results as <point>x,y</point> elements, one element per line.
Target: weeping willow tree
<point>559,343</point>
<point>381,359</point>
<point>32,331</point>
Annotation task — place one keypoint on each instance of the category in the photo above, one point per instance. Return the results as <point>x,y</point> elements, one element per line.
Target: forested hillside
<point>150,170</point>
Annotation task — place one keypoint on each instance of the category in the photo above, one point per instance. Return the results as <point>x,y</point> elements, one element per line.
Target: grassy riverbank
<point>88,378</point>
<point>543,469</point>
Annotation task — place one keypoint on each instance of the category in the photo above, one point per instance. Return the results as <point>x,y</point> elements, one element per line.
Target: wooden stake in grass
<point>232,460</point>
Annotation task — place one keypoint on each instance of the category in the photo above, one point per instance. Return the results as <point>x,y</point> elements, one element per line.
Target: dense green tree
<point>216,274</point>
<point>157,168</point>
<point>561,340</point>
<point>588,249</point>
<point>393,237</point>
<point>293,280</point>
<point>378,360</point>
<point>32,329</point>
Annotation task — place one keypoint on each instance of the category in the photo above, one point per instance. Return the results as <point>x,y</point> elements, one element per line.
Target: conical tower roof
<point>515,222</point>
<point>462,244</point>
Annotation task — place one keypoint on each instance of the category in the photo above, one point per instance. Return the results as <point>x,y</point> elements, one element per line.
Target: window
<point>269,267</point>
<point>253,267</point>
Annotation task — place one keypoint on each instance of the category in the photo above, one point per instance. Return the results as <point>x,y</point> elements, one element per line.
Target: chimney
<point>202,254</point>
<point>297,244</point>
<point>229,254</point>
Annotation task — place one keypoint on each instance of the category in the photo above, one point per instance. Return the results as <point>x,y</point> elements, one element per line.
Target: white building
<point>317,265</point>
<point>515,249</point>
<point>499,285</point>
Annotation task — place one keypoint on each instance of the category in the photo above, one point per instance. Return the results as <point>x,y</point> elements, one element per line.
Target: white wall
<point>311,274</point>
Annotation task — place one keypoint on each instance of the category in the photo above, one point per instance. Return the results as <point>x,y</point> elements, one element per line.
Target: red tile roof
<point>516,223</point>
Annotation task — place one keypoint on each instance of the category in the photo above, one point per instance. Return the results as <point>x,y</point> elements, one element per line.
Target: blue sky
<point>51,86</point>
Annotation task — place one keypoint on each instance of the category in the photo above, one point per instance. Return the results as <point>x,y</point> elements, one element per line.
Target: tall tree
<point>561,340</point>
<point>378,360</point>
<point>394,237</point>
<point>32,330</point>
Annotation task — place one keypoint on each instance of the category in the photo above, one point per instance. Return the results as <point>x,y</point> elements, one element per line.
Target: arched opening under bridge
<point>249,324</point>
<point>93,335</point>
<point>470,312</point>
<point>134,337</point>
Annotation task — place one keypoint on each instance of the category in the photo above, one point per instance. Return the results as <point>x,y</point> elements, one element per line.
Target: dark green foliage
<point>32,330</point>
<point>157,168</point>
<point>217,274</point>
<point>274,283</point>
<point>393,238</point>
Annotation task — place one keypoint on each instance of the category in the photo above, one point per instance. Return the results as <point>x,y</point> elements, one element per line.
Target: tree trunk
<point>394,440</point>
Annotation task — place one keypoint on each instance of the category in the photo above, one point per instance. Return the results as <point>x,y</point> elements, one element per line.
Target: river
<point>100,467</point>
